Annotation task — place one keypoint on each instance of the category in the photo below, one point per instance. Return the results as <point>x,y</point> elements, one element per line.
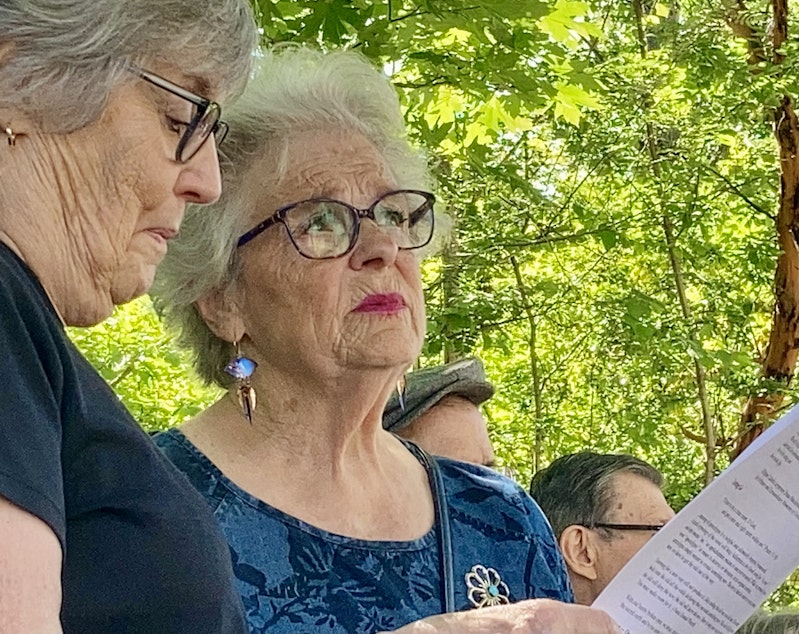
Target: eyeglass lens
<point>629,527</point>
<point>327,228</point>
<point>204,123</point>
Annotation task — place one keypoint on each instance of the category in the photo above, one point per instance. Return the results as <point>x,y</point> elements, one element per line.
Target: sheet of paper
<point>724,553</point>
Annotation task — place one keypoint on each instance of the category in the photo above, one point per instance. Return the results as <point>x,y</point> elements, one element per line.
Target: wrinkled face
<point>454,427</point>
<point>363,309</point>
<point>636,500</point>
<point>122,196</point>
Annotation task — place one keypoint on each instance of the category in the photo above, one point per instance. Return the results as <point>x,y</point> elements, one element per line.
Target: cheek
<point>413,277</point>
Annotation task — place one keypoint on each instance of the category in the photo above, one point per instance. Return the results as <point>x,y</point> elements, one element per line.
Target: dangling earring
<point>401,392</point>
<point>242,369</point>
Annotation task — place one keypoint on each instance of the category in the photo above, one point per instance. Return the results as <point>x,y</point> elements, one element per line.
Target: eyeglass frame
<point>220,128</point>
<point>627,527</point>
<point>279,216</point>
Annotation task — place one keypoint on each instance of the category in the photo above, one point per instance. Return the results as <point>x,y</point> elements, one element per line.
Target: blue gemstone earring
<point>242,369</point>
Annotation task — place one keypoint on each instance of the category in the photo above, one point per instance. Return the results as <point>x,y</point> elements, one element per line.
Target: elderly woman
<point>107,109</point>
<point>304,285</point>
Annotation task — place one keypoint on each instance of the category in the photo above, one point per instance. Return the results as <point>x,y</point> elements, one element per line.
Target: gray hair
<point>578,488</point>
<point>60,59</point>
<point>295,89</point>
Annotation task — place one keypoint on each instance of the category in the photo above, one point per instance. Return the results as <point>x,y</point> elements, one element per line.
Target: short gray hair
<point>294,89</point>
<point>578,488</point>
<point>60,59</point>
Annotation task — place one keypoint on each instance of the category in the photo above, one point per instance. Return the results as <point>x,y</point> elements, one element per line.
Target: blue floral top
<point>295,578</point>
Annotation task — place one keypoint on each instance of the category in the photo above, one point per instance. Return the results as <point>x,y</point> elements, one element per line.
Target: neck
<point>325,418</point>
<point>9,242</point>
<point>39,207</point>
<point>584,589</point>
<point>329,461</point>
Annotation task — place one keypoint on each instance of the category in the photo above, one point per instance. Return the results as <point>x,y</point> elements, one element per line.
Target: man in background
<point>439,411</point>
<point>603,509</point>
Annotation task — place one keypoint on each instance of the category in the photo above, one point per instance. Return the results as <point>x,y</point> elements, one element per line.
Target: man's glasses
<point>204,122</point>
<point>324,228</point>
<point>628,527</point>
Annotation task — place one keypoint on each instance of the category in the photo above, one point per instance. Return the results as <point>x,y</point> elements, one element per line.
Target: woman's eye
<point>175,125</point>
<point>325,221</point>
<point>393,217</point>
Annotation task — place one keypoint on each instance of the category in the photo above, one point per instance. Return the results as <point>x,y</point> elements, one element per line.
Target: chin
<point>132,284</point>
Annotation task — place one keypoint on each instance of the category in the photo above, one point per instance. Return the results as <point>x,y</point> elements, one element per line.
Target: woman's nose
<point>376,246</point>
<point>199,180</point>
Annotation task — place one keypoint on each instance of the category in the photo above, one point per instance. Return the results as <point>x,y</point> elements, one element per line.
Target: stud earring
<point>401,392</point>
<point>242,368</point>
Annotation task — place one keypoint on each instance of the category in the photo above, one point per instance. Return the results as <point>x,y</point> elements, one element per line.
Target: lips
<point>164,233</point>
<point>381,303</point>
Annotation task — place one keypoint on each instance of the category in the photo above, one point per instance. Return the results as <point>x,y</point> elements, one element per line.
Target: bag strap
<point>443,530</point>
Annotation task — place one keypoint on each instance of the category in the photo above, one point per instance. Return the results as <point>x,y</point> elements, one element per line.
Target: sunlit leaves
<point>566,24</point>
<point>571,100</point>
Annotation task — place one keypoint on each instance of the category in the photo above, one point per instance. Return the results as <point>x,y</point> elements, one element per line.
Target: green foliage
<point>138,359</point>
<point>563,144</point>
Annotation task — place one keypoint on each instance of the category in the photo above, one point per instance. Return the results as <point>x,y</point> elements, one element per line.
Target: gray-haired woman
<point>106,111</point>
<point>308,268</point>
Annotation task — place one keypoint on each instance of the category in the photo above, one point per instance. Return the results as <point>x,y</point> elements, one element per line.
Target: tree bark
<point>781,354</point>
<point>780,358</point>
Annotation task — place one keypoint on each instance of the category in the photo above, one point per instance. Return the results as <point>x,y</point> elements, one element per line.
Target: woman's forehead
<point>331,164</point>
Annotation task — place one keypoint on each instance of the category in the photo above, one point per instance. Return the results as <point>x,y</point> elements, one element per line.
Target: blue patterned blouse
<point>298,579</point>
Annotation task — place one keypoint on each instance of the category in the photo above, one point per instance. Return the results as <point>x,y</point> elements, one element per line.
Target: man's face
<point>454,428</point>
<point>636,500</point>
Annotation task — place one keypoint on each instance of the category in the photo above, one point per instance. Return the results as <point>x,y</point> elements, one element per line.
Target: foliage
<point>137,358</point>
<point>567,143</point>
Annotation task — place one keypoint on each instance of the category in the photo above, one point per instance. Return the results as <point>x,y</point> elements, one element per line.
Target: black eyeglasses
<point>628,527</point>
<point>324,228</point>
<point>204,122</point>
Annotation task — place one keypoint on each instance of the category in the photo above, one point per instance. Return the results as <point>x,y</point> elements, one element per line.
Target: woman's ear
<point>579,550</point>
<point>221,314</point>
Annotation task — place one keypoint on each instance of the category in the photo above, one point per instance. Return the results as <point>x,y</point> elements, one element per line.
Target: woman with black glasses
<point>108,125</point>
<point>301,293</point>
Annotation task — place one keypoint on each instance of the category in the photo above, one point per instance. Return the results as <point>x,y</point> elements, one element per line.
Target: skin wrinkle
<point>299,325</point>
<point>274,273</point>
<point>101,189</point>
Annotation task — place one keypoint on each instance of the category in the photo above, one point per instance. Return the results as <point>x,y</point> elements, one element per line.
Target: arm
<point>534,616</point>
<point>30,573</point>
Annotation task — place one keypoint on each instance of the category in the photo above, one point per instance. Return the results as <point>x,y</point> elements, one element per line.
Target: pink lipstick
<point>382,304</point>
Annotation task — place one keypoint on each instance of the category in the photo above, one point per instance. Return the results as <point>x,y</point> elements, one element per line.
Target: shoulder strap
<point>442,524</point>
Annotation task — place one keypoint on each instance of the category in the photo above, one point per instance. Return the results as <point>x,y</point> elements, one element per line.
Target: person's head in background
<point>603,509</point>
<point>440,411</point>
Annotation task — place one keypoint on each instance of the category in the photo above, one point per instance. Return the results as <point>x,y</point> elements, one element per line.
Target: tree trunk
<point>535,375</point>
<point>781,353</point>
<point>450,284</point>
<point>780,359</point>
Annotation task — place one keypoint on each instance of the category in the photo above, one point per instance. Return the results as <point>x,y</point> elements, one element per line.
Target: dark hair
<point>578,488</point>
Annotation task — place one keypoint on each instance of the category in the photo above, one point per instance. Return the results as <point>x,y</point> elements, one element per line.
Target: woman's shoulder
<point>483,494</point>
<point>180,451</point>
